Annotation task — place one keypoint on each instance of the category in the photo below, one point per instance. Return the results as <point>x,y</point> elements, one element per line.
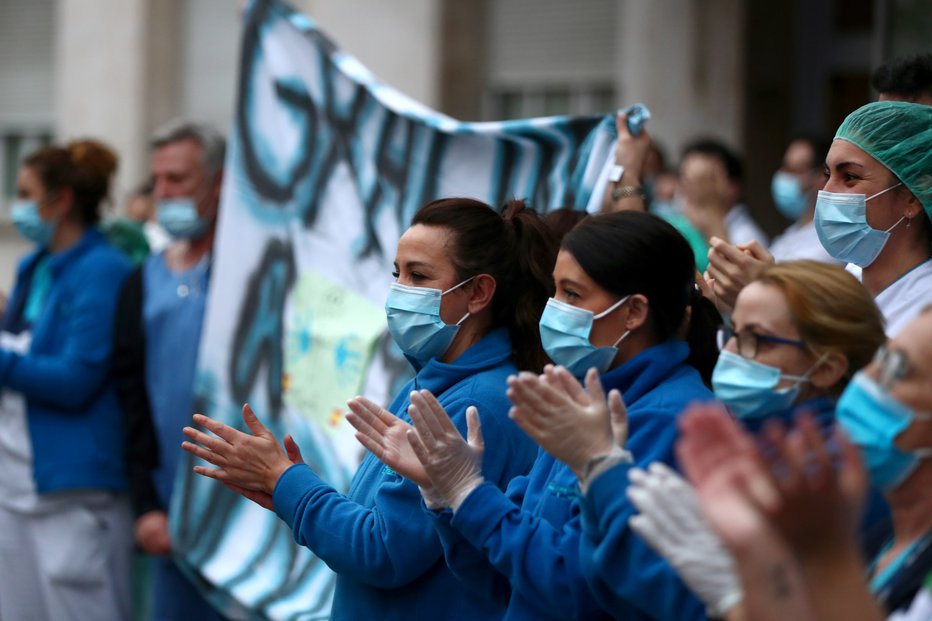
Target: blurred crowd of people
<point>652,412</point>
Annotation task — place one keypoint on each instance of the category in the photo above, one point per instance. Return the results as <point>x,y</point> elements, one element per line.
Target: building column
<point>115,76</point>
<point>684,59</point>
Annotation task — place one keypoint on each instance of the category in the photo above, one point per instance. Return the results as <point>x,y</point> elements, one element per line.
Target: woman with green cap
<point>882,158</point>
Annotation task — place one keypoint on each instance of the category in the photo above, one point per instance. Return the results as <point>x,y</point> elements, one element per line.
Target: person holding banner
<point>470,287</point>
<point>65,522</point>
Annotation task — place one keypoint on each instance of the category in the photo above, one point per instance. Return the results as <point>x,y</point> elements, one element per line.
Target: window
<point>14,146</point>
<point>518,102</point>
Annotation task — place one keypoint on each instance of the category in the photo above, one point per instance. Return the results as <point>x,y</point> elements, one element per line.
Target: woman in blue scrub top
<point>65,522</point>
<point>470,285</point>
<point>626,303</point>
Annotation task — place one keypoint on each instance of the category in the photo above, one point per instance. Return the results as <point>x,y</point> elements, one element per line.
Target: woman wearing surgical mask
<point>887,413</point>
<point>625,299</point>
<point>470,285</point>
<point>788,510</point>
<point>875,211</point>
<point>65,523</point>
<point>798,332</point>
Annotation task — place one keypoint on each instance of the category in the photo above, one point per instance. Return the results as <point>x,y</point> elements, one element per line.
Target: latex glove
<point>572,424</point>
<point>386,436</point>
<point>453,464</point>
<point>671,522</point>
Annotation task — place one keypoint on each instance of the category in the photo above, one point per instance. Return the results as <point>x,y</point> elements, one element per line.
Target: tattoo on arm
<point>780,582</point>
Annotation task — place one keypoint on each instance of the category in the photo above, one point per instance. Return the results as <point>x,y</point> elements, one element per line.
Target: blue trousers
<point>175,598</point>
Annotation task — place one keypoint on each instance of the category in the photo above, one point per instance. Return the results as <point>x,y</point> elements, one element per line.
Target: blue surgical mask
<point>788,195</point>
<point>663,207</point>
<point>873,419</point>
<point>25,216</point>
<point>749,388</point>
<point>564,333</point>
<point>414,321</point>
<point>841,223</point>
<point>180,219</point>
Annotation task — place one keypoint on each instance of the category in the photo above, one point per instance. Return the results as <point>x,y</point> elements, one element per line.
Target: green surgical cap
<point>898,135</point>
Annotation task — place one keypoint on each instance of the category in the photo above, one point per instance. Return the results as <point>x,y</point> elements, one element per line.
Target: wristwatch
<point>624,191</point>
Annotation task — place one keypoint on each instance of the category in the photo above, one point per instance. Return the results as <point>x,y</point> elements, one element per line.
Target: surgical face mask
<point>663,207</point>
<point>180,219</point>
<point>873,419</point>
<point>564,333</point>
<point>788,195</point>
<point>841,223</point>
<point>25,216</point>
<point>414,321</point>
<point>749,388</point>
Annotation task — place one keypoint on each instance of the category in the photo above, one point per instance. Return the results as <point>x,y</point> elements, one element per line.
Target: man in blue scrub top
<point>157,337</point>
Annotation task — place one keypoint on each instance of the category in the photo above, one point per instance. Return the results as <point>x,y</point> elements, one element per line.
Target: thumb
<point>757,251</point>
<point>474,429</point>
<point>293,450</point>
<point>621,122</point>
<point>252,421</point>
<point>619,415</point>
<point>594,386</point>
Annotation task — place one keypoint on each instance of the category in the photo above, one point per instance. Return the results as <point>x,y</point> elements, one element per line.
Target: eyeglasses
<point>893,366</point>
<point>748,341</point>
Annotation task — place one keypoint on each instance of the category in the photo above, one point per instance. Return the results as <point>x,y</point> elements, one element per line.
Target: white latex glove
<point>453,465</point>
<point>573,424</point>
<point>671,522</point>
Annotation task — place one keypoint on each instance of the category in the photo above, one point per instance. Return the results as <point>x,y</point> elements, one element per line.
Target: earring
<point>909,221</point>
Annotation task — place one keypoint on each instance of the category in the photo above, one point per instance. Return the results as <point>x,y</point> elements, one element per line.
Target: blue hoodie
<point>75,423</point>
<point>387,556</point>
<point>627,576</point>
<point>536,534</point>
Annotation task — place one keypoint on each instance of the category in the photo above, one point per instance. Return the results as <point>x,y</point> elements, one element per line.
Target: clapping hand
<point>572,423</point>
<point>453,465</point>
<point>250,463</point>
<point>386,436</point>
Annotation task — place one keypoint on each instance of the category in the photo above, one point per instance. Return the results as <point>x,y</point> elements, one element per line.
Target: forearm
<point>540,560</point>
<point>618,559</point>
<point>468,564</point>
<point>838,588</point>
<point>774,588</point>
<point>64,382</point>
<point>386,545</point>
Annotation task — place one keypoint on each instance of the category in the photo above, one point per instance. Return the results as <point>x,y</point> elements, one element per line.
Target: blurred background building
<point>750,73</point>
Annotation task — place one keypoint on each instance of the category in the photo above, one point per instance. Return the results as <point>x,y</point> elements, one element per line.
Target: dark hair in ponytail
<point>632,252</point>
<point>704,322</point>
<point>517,249</point>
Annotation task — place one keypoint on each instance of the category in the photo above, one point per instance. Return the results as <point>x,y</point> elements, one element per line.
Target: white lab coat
<point>903,300</point>
<point>800,242</point>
